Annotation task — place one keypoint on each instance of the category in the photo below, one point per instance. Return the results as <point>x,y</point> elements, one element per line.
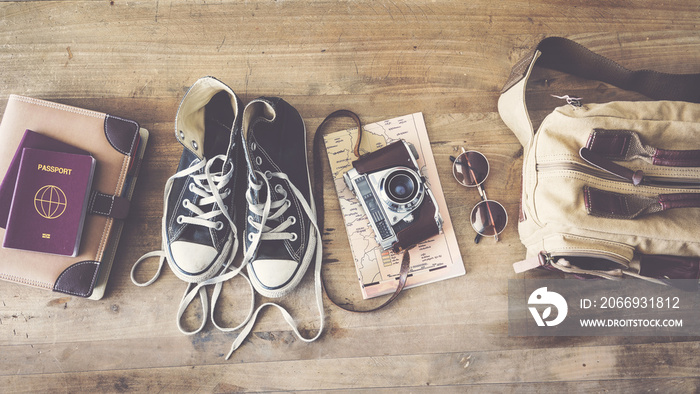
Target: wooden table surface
<point>447,59</point>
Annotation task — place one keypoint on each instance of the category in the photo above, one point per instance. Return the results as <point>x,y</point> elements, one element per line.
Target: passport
<point>30,139</point>
<point>49,202</point>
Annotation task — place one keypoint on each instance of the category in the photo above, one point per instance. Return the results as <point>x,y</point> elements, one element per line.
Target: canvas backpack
<point>609,190</point>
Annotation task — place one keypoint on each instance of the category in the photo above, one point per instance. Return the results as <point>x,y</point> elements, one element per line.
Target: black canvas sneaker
<point>281,235</point>
<point>198,230</point>
<point>198,227</point>
<point>275,141</point>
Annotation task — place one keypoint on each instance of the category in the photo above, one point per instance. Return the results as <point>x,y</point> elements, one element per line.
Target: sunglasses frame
<point>482,194</point>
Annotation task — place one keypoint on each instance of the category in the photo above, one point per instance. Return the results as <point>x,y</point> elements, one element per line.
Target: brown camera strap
<point>319,197</point>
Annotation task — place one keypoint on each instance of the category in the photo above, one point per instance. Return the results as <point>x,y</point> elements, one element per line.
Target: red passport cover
<point>50,201</point>
<point>30,139</point>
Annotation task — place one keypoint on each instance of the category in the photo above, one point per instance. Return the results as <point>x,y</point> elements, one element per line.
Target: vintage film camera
<point>401,208</point>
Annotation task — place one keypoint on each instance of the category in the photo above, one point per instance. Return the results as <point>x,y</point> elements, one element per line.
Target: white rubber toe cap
<point>192,258</point>
<point>274,273</point>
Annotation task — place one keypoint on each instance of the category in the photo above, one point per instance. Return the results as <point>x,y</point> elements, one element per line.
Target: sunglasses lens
<point>489,218</point>
<point>470,168</point>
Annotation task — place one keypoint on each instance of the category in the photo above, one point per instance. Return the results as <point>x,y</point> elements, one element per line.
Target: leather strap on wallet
<point>108,205</point>
<point>318,195</point>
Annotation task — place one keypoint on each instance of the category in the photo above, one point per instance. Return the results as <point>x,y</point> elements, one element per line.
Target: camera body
<point>401,208</point>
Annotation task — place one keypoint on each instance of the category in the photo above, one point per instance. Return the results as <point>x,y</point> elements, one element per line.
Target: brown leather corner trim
<point>122,134</point>
<point>78,279</point>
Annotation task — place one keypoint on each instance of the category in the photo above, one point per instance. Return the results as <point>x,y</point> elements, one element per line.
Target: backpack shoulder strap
<point>564,55</point>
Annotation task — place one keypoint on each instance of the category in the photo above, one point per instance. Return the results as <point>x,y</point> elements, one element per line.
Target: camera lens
<point>401,190</point>
<point>401,187</point>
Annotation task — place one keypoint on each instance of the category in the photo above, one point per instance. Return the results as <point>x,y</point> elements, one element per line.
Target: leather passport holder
<point>117,145</point>
<point>50,201</point>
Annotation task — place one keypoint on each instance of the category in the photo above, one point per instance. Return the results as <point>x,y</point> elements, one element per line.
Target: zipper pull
<point>545,258</point>
<point>572,101</point>
<point>541,259</point>
<point>598,161</point>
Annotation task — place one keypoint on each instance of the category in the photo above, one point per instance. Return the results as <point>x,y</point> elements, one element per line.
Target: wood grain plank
<point>447,59</point>
<point>615,386</point>
<point>623,363</point>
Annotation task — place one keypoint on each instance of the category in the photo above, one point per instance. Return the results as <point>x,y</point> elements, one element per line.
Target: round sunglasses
<point>488,217</point>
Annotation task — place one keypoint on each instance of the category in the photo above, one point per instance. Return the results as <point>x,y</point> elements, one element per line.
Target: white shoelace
<point>212,188</point>
<point>266,232</point>
<point>279,207</point>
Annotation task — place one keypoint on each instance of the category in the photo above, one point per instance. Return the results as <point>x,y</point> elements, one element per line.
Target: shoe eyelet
<point>186,203</point>
<point>292,220</point>
<point>191,187</point>
<point>182,135</point>
<point>250,237</point>
<point>268,174</point>
<point>219,226</point>
<point>179,219</point>
<point>258,160</point>
<point>288,203</point>
<point>294,237</point>
<point>253,146</point>
<point>195,145</point>
<point>279,189</point>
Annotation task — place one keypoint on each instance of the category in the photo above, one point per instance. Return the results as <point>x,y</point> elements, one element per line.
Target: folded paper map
<point>432,260</point>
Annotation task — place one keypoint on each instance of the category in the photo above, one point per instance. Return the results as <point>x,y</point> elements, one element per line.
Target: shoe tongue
<point>216,167</point>
<point>196,234</point>
<point>268,138</point>
<point>273,250</point>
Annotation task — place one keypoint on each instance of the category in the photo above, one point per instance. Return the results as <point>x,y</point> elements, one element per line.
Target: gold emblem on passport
<point>50,202</point>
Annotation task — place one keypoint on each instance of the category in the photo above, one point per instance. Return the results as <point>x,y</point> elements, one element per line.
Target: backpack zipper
<point>636,177</point>
<point>549,258</point>
<point>559,262</point>
<point>653,181</point>
<point>577,167</point>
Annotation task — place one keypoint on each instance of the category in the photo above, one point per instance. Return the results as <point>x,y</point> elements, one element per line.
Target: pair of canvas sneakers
<point>248,162</point>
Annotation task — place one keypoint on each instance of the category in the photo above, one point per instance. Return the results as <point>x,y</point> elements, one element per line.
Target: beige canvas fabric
<point>554,218</point>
